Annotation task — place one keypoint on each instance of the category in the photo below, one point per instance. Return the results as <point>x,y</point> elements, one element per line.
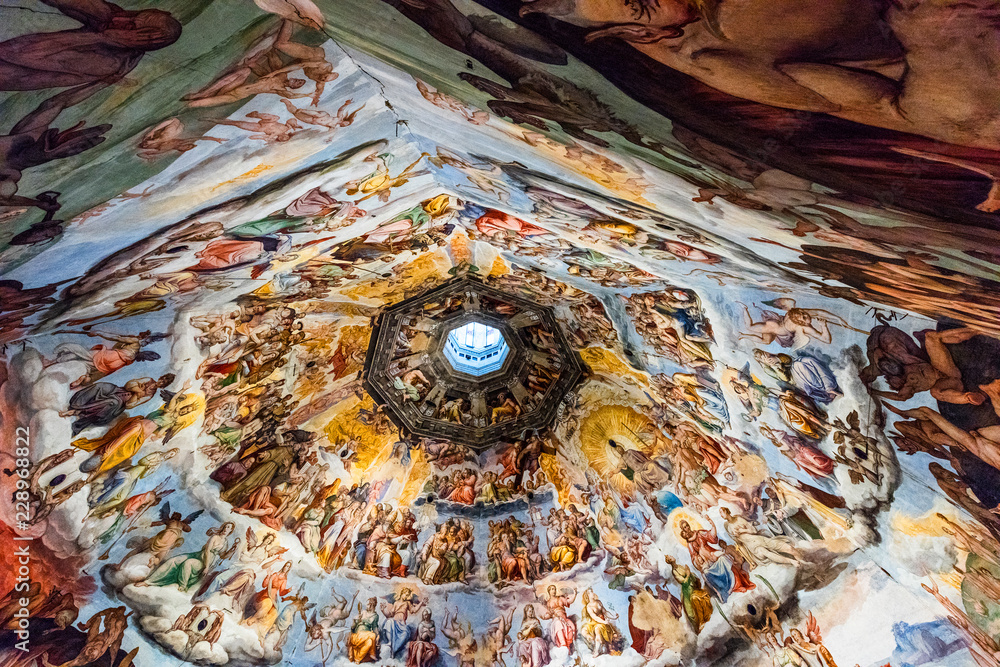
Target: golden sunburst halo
<point>612,422</point>
<point>373,447</point>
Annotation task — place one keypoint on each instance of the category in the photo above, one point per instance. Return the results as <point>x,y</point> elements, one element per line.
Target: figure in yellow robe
<point>363,643</point>
<point>116,446</point>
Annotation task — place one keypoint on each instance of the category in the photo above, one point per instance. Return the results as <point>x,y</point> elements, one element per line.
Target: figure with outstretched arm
<point>343,118</point>
<point>265,126</point>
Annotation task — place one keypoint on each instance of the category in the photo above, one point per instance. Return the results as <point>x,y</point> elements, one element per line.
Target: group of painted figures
<point>271,471</point>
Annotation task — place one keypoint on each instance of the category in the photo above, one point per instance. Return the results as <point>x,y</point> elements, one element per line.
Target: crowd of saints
<point>763,401</point>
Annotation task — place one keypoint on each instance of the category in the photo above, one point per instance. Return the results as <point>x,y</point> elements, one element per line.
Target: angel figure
<point>119,518</point>
<point>795,328</point>
<point>497,640</point>
<point>100,641</point>
<point>186,570</point>
<point>263,551</point>
<point>810,647</point>
<point>169,538</point>
<point>294,604</point>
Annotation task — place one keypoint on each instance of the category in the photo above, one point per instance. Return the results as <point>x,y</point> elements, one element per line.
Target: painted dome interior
<point>490,333</point>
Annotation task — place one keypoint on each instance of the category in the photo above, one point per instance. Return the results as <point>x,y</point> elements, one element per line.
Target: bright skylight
<point>476,348</point>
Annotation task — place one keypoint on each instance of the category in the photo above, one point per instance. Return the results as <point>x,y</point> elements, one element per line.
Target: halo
<point>682,514</point>
<point>414,593</point>
<point>612,422</point>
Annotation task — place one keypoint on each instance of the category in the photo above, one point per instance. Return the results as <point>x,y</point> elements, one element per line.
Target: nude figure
<point>960,494</point>
<point>461,638</point>
<point>45,499</point>
<point>898,65</point>
<point>449,103</point>
<point>322,118</point>
<point>983,443</point>
<point>99,642</point>
<point>233,88</point>
<point>32,142</point>
<point>311,59</point>
<point>909,374</point>
<point>794,329</point>
<point>108,45</point>
<point>266,127</point>
<point>263,61</point>
<point>168,137</point>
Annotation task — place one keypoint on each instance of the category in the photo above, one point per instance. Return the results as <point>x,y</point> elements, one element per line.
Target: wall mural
<point>771,246</point>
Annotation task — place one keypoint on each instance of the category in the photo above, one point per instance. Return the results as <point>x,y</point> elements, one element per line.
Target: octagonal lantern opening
<point>476,348</point>
<point>470,363</point>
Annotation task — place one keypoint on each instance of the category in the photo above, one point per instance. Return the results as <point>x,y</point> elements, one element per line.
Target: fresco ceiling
<point>747,266</point>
